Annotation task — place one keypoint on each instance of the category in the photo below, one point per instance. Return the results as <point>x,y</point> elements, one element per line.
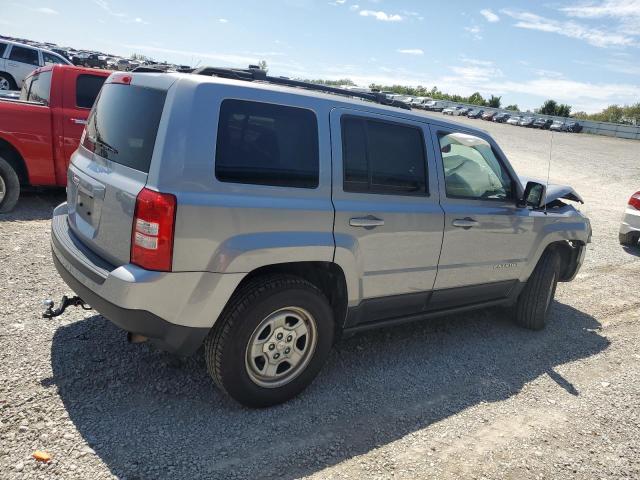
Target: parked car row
<point>19,57</point>
<point>522,121</point>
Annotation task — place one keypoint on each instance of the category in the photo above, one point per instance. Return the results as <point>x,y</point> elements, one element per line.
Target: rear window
<point>36,88</point>
<point>266,144</point>
<point>123,124</point>
<point>87,89</point>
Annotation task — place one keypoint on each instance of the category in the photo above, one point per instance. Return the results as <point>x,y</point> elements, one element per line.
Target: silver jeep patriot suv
<point>264,220</point>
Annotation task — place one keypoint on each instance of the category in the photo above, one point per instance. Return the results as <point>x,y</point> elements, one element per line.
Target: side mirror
<point>534,195</point>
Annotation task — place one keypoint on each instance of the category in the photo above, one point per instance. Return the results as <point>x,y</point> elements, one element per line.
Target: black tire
<point>5,77</point>
<point>536,297</point>
<point>227,343</point>
<point>10,183</point>
<point>629,239</point>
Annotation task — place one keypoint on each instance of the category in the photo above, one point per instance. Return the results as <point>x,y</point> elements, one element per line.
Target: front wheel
<point>536,297</point>
<point>271,340</point>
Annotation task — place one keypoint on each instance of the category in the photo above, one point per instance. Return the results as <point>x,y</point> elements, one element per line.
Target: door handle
<point>367,222</point>
<point>78,121</point>
<point>465,223</point>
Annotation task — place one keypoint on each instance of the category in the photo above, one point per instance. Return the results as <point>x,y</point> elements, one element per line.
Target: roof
<point>335,99</point>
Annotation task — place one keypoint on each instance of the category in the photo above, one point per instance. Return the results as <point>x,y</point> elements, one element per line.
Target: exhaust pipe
<point>136,338</point>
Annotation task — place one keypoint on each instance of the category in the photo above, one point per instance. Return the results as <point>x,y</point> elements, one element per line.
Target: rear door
<point>387,213</point>
<point>21,62</point>
<point>111,166</point>
<point>487,238</point>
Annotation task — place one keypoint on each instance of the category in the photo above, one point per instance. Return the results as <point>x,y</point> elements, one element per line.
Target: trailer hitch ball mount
<point>74,301</point>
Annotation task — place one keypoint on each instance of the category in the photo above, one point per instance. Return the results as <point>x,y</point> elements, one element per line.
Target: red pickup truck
<point>40,131</point>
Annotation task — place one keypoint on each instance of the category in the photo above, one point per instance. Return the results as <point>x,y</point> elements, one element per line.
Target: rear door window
<point>24,55</point>
<point>383,157</point>
<point>87,89</point>
<point>123,124</point>
<point>3,47</point>
<point>266,144</point>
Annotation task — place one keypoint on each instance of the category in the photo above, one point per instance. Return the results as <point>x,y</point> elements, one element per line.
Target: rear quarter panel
<point>228,227</point>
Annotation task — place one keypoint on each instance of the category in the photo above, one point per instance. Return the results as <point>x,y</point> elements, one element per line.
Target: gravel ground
<point>470,396</point>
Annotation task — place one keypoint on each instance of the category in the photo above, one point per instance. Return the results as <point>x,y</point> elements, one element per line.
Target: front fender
<point>569,226</point>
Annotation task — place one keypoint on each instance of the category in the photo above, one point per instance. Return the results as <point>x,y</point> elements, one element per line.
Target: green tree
<point>563,110</point>
<point>613,113</point>
<point>474,99</point>
<point>548,108</point>
<point>632,113</point>
<point>513,108</point>
<point>494,102</point>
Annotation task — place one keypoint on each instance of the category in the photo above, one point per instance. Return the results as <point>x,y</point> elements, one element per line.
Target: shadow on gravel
<point>35,205</point>
<point>150,415</point>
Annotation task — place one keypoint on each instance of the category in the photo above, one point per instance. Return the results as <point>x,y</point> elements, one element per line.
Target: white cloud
<point>593,36</point>
<point>382,16</point>
<point>354,7</point>
<point>411,51</point>
<point>489,15</point>
<point>625,12</point>
<point>474,31</point>
<point>46,10</point>
<point>609,8</point>
<point>125,18</point>
<point>475,61</point>
<point>223,20</point>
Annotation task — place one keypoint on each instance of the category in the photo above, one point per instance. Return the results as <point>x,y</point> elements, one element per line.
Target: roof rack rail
<point>147,69</point>
<point>254,73</point>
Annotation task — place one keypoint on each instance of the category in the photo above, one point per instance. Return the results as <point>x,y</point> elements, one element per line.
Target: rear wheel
<point>9,186</point>
<point>7,82</point>
<point>271,340</point>
<point>536,297</point>
<point>629,239</point>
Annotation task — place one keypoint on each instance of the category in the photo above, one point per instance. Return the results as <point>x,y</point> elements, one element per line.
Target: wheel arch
<point>11,77</point>
<point>11,154</point>
<point>328,277</point>
<point>571,253</point>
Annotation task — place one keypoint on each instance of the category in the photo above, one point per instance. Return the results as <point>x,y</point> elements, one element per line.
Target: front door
<point>388,219</point>
<point>487,238</point>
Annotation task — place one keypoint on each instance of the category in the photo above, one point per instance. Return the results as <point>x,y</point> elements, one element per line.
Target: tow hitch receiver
<point>74,301</point>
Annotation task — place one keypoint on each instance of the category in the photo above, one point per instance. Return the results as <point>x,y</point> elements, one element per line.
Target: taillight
<point>634,201</point>
<point>152,232</point>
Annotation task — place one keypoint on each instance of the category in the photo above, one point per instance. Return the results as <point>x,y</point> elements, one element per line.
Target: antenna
<point>548,173</point>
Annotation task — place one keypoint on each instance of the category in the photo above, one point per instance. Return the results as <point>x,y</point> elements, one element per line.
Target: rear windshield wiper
<point>105,145</point>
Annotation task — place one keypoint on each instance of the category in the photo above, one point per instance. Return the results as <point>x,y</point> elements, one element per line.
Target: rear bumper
<point>175,310</point>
